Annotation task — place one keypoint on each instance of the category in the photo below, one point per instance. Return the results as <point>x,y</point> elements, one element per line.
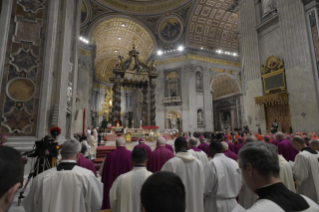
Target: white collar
<point>68,161</point>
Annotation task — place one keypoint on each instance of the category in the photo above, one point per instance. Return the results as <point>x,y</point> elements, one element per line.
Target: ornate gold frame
<point>266,76</point>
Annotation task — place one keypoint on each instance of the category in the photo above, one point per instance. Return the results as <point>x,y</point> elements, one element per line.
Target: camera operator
<point>51,152</point>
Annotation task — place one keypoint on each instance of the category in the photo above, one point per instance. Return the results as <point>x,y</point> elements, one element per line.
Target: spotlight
<point>180,48</point>
<point>123,25</point>
<point>115,51</point>
<point>201,48</point>
<point>235,54</point>
<point>219,51</point>
<point>119,38</point>
<point>159,52</point>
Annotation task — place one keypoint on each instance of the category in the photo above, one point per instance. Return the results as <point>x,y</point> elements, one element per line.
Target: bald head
<point>249,139</point>
<point>192,142</point>
<point>120,142</point>
<point>314,144</point>
<point>161,141</point>
<point>225,145</point>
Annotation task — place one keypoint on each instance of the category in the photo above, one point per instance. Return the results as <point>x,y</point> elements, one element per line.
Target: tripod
<point>35,169</point>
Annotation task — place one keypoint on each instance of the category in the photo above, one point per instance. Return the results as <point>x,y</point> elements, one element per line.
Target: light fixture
<point>115,51</point>
<point>235,54</point>
<point>219,51</point>
<point>180,48</point>
<point>201,48</point>
<point>84,40</point>
<point>119,38</point>
<point>159,52</point>
<point>123,25</point>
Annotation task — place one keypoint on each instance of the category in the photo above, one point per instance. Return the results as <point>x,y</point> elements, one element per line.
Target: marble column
<point>153,103</point>
<point>207,100</point>
<point>5,27</point>
<point>192,120</point>
<point>212,110</point>
<point>251,68</point>
<point>301,75</point>
<point>145,106</point>
<point>116,110</point>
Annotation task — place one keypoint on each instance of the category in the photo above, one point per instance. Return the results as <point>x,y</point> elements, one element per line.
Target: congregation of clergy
<point>252,174</point>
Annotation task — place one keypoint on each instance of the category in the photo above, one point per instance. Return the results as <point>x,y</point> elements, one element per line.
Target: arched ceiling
<point>143,7</point>
<point>116,36</point>
<point>212,27</point>
<point>224,85</point>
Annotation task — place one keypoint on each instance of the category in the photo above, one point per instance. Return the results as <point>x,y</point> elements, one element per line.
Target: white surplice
<point>265,205</point>
<point>125,191</point>
<point>246,197</point>
<point>306,173</point>
<point>76,190</point>
<point>285,174</point>
<point>190,170</point>
<point>202,156</point>
<point>223,181</point>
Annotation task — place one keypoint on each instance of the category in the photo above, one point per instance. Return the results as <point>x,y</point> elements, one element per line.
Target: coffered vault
<point>116,36</point>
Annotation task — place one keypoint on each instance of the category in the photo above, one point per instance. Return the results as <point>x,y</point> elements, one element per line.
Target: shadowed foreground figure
<point>166,187</point>
<point>260,167</point>
<point>11,172</point>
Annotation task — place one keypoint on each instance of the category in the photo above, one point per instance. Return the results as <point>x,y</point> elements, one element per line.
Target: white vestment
<point>76,190</point>
<point>88,147</point>
<point>246,197</point>
<point>306,173</point>
<point>202,156</point>
<point>126,189</point>
<point>285,174</point>
<point>190,170</point>
<point>265,205</point>
<point>223,181</point>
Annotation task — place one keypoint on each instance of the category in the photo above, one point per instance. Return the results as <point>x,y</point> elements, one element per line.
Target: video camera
<point>44,143</point>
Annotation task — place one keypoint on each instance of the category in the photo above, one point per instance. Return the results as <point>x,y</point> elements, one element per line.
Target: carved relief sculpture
<point>199,84</point>
<point>268,6</point>
<point>69,94</point>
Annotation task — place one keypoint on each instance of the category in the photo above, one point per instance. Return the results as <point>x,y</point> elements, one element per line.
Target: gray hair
<point>161,140</point>
<point>250,138</point>
<point>192,141</point>
<point>314,142</point>
<point>262,156</point>
<point>70,148</point>
<point>280,135</point>
<point>120,141</point>
<point>298,139</point>
<point>225,145</point>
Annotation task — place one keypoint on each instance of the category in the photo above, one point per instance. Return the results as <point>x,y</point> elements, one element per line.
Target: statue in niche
<point>71,68</point>
<point>200,117</point>
<point>69,94</point>
<point>174,122</point>
<point>268,6</point>
<point>274,127</point>
<point>173,89</point>
<point>226,120</point>
<point>199,85</point>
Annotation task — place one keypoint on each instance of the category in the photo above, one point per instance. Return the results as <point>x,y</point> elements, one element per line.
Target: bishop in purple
<point>146,147</point>
<point>285,147</point>
<point>230,144</point>
<point>116,163</point>
<point>159,156</point>
<point>86,163</point>
<point>239,145</point>
<point>168,146</point>
<point>229,153</point>
<point>204,146</point>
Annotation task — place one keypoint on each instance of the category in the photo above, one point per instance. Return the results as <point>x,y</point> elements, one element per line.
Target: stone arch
<point>224,85</point>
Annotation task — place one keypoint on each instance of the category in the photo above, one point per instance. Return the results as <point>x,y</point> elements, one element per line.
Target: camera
<point>43,144</point>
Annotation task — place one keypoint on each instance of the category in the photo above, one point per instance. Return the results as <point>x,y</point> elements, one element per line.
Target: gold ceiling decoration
<point>144,6</point>
<point>115,37</point>
<point>224,85</point>
<point>212,27</point>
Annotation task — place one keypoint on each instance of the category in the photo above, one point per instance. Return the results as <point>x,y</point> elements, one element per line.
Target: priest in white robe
<point>260,168</point>
<point>222,181</point>
<point>66,187</point>
<point>306,169</point>
<point>126,189</point>
<point>285,174</point>
<point>197,153</point>
<point>190,170</point>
